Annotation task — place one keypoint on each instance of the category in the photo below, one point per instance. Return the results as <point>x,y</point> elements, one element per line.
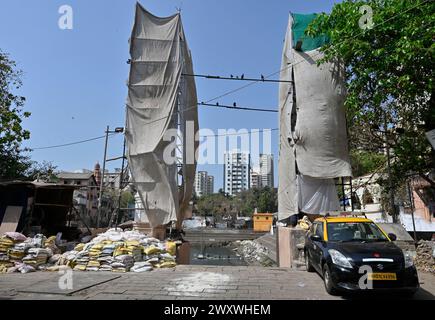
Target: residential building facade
<point>210,184</point>
<point>237,167</point>
<point>266,170</point>
<point>204,184</point>
<point>86,193</point>
<point>255,179</point>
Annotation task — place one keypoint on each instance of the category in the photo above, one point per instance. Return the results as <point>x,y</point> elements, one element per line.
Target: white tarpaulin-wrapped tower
<point>313,137</point>
<point>159,99</point>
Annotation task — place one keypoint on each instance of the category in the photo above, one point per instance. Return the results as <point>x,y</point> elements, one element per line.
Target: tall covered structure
<point>313,138</point>
<point>160,99</point>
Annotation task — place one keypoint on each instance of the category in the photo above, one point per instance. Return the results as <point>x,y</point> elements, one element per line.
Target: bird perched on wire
<point>243,76</point>
<point>234,104</point>
<point>262,78</point>
<point>231,76</point>
<point>217,104</point>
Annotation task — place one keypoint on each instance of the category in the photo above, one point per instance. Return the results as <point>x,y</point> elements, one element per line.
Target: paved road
<point>182,282</point>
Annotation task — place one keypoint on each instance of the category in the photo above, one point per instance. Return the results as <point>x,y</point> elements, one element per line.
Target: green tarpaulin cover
<point>300,23</point>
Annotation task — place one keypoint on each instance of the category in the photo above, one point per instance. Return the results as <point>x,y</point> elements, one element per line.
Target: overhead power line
<point>252,82</point>
<point>70,143</point>
<point>236,78</point>
<point>234,106</point>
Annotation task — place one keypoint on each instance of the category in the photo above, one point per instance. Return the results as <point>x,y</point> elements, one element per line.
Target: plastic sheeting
<point>320,135</point>
<point>317,196</point>
<point>159,55</point>
<point>313,137</point>
<point>287,192</point>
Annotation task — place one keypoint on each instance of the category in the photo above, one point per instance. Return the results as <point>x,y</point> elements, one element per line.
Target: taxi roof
<point>343,219</point>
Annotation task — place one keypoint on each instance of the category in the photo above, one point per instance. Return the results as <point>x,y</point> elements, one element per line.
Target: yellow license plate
<point>382,276</point>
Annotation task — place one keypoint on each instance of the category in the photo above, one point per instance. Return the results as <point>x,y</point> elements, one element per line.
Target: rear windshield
<point>354,231</point>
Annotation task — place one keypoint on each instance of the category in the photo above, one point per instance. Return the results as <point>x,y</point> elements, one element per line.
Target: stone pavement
<point>182,282</point>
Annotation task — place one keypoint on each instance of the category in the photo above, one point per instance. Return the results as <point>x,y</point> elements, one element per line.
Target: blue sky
<point>75,80</point>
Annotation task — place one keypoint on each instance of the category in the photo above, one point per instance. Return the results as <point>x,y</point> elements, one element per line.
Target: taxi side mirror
<point>392,236</point>
<point>315,237</point>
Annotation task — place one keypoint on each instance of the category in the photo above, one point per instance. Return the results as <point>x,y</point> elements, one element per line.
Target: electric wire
<point>252,82</point>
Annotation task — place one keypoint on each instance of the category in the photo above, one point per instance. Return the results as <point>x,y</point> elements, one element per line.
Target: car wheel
<point>327,279</point>
<point>308,264</point>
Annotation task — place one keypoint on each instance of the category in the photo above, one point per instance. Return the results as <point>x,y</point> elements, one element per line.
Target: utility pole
<point>121,179</point>
<point>102,178</point>
<point>411,202</point>
<point>391,192</point>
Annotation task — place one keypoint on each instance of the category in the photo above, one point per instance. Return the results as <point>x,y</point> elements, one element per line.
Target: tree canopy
<point>13,164</point>
<point>243,203</point>
<point>388,54</point>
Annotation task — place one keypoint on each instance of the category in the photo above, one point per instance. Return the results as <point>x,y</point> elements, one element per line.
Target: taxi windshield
<point>354,231</point>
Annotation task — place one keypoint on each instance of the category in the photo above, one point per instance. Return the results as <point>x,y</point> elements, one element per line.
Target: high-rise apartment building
<point>204,183</point>
<point>236,172</point>
<point>266,170</point>
<point>255,181</point>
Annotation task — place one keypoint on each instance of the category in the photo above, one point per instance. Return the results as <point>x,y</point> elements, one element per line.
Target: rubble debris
<point>253,253</point>
<point>425,259</point>
<point>114,250</point>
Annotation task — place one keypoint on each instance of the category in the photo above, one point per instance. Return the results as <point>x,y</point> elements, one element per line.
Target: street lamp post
<point>117,130</point>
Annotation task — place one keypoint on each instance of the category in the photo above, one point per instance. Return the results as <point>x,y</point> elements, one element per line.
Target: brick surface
<point>186,283</point>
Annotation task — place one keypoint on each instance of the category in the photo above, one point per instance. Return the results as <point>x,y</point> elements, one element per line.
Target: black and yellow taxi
<point>354,253</point>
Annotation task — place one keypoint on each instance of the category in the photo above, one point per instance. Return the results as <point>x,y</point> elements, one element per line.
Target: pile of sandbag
<point>121,251</point>
<point>425,259</point>
<point>22,254</point>
<point>114,250</point>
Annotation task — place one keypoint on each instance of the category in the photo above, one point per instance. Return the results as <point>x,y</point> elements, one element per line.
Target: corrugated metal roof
<point>35,184</point>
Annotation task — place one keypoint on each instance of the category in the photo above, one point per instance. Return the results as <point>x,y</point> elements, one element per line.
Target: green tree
<point>389,74</point>
<point>268,200</point>
<point>13,163</point>
<point>243,203</point>
<point>44,172</point>
<point>127,199</point>
<point>214,204</point>
<point>365,162</point>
